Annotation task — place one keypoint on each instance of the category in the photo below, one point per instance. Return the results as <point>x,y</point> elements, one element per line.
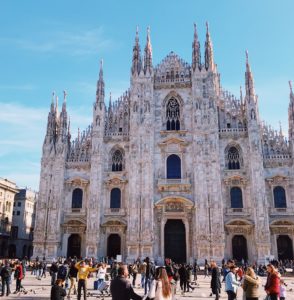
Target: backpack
<point>62,272</point>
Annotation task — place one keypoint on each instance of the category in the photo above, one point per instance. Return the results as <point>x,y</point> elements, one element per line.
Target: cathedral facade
<point>176,167</point>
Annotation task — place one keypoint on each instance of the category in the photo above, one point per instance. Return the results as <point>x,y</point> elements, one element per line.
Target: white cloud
<point>70,42</point>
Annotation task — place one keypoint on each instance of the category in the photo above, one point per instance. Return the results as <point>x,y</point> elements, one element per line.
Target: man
<point>83,272</point>
<point>215,283</point>
<point>232,283</point>
<point>120,288</point>
<point>6,278</point>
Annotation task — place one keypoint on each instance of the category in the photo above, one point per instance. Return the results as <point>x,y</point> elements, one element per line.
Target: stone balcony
<point>174,185</point>
<point>74,213</point>
<point>115,212</point>
<point>238,211</point>
<point>231,132</point>
<point>281,211</point>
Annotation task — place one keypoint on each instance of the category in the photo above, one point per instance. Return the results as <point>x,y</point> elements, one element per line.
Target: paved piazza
<point>42,289</point>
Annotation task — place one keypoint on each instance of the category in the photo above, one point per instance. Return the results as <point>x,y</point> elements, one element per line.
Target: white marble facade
<point>177,166</point>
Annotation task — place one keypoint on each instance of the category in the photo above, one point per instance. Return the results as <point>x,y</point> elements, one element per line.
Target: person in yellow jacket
<point>83,272</point>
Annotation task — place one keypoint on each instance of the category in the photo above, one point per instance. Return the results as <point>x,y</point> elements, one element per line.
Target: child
<point>283,292</point>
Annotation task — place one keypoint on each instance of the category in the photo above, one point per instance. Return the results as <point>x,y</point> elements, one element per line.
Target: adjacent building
<point>22,229</point>
<point>8,189</point>
<point>176,167</point>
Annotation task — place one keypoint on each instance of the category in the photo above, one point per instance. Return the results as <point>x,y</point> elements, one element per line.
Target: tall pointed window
<point>77,198</point>
<point>280,197</point>
<point>233,159</point>
<point>117,161</point>
<point>115,198</point>
<point>172,115</point>
<point>173,166</point>
<point>236,197</point>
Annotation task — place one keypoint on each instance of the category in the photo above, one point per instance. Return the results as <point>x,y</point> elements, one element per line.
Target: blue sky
<point>57,45</point>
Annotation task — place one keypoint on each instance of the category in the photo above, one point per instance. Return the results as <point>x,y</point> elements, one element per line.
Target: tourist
<point>163,289</point>
<point>18,275</point>
<point>120,287</point>
<point>251,285</point>
<point>215,283</point>
<point>6,278</point>
<point>101,274</point>
<point>62,272</point>
<point>53,272</point>
<point>83,272</point>
<point>142,271</point>
<point>149,274</point>
<point>72,275</point>
<point>134,269</point>
<point>114,270</point>
<point>272,286</point>
<point>231,283</point>
<point>283,292</point>
<point>57,291</point>
<point>183,278</point>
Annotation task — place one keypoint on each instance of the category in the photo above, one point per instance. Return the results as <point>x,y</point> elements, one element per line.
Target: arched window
<point>233,159</point>
<point>117,161</point>
<point>77,198</point>
<point>236,197</point>
<point>115,198</point>
<point>172,115</point>
<point>173,167</point>
<point>280,197</point>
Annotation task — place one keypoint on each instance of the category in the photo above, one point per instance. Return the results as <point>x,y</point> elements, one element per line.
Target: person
<point>62,271</point>
<point>6,278</point>
<point>134,273</point>
<point>283,292</point>
<point>142,271</point>
<point>18,275</point>
<point>72,274</point>
<point>183,278</point>
<point>272,286</point>
<point>83,272</point>
<point>57,291</point>
<point>120,288</point>
<point>215,283</point>
<point>53,272</point>
<point>101,274</point>
<point>251,285</point>
<point>231,283</point>
<point>148,275</point>
<point>163,287</point>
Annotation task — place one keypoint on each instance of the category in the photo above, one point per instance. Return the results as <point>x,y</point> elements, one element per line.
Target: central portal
<point>175,241</point>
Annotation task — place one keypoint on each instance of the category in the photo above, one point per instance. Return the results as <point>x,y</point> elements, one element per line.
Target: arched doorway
<point>175,241</point>
<point>285,247</point>
<point>12,251</point>
<point>74,246</point>
<point>239,245</point>
<point>113,245</point>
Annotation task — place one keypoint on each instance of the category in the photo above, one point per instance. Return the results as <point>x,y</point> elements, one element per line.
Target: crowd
<point>69,277</point>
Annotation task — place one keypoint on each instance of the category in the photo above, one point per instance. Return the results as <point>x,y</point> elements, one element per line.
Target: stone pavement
<point>40,289</point>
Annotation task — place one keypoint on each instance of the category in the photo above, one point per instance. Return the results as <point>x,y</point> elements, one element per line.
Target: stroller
<point>100,291</point>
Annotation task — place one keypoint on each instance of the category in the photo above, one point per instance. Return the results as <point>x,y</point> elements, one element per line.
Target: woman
<point>163,288</point>
<point>215,283</point>
<point>57,291</point>
<point>272,286</point>
<point>251,285</point>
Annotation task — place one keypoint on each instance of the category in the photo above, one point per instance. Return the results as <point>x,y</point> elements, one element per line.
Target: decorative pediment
<point>239,227</point>
<point>174,204</point>
<point>173,144</point>
<point>77,181</point>
<point>114,222</point>
<point>235,180</point>
<point>75,222</point>
<point>115,180</point>
<point>278,180</point>
<point>282,227</point>
<point>282,223</point>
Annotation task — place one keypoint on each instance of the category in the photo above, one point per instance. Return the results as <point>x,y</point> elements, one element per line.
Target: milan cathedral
<point>176,167</point>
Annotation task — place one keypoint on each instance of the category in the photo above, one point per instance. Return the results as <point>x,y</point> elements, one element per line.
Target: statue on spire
<point>249,82</point>
<point>148,53</point>
<point>136,62</point>
<point>209,61</point>
<point>100,85</point>
<point>196,54</point>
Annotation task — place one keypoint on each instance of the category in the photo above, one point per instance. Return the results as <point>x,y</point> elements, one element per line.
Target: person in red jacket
<point>272,286</point>
<point>18,275</point>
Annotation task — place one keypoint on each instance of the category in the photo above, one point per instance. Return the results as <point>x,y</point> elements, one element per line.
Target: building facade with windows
<point>176,167</point>
<point>8,189</point>
<point>23,222</point>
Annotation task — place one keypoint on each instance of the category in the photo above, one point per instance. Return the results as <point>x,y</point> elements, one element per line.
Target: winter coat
<point>251,286</point>
<point>18,273</point>
<point>121,289</point>
<point>272,285</point>
<point>215,283</point>
<point>57,292</point>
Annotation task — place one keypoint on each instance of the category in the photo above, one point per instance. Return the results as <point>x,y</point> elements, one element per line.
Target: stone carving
<point>174,207</point>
